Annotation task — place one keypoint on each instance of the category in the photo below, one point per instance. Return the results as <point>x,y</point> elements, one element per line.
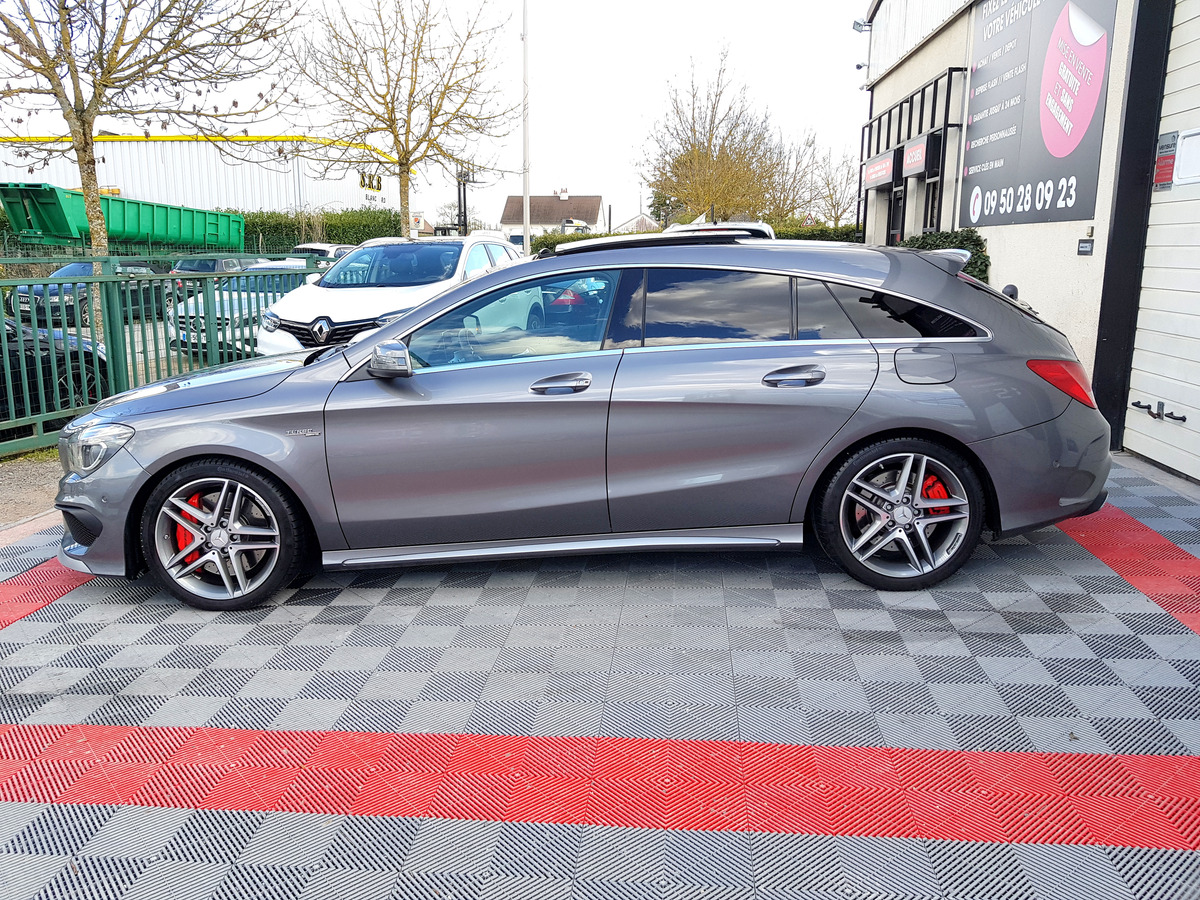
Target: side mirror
<point>1010,291</point>
<point>390,359</point>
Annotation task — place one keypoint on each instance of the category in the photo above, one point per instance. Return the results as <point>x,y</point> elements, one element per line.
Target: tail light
<point>568,298</point>
<point>1066,375</point>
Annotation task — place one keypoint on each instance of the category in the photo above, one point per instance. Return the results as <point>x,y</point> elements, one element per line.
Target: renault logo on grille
<point>320,330</point>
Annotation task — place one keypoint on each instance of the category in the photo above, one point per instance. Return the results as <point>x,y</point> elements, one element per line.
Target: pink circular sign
<point>1071,79</point>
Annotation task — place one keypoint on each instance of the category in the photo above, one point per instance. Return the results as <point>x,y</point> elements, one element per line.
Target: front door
<point>499,434</point>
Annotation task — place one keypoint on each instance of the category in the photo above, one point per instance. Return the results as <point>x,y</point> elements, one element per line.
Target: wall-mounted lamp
<point>861,66</point>
<point>861,25</point>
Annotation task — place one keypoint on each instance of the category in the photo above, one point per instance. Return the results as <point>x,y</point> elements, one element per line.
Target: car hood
<point>235,381</point>
<point>309,302</point>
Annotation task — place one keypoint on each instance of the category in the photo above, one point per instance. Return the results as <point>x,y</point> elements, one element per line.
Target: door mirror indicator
<point>390,359</point>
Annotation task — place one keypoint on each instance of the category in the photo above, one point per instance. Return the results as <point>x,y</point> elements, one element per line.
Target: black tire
<point>896,537</point>
<point>197,559</point>
<point>537,321</point>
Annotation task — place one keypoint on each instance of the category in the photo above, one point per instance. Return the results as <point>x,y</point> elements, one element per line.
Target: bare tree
<point>447,214</point>
<point>715,151</point>
<point>400,78</point>
<point>789,180</point>
<point>153,62</point>
<point>836,190</point>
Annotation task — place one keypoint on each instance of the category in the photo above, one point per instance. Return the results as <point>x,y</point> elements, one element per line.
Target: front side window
<point>704,306</point>
<point>543,317</point>
<point>477,261</point>
<point>394,265</point>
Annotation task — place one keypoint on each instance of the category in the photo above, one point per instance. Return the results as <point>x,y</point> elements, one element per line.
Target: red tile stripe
<point>1041,798</point>
<point>1165,573</point>
<point>37,587</point>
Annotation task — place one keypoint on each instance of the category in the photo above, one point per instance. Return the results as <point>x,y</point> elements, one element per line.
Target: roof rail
<point>665,239</point>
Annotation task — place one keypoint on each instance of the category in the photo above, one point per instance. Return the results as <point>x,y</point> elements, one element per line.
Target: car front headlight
<point>84,450</point>
<point>270,322</point>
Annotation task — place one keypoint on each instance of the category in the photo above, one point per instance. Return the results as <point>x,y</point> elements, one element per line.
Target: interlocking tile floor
<point>669,725</point>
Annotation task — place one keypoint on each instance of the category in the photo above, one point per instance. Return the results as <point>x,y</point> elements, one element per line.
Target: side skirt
<point>751,537</point>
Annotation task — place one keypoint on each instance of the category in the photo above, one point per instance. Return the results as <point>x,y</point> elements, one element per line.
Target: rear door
<point>741,379</point>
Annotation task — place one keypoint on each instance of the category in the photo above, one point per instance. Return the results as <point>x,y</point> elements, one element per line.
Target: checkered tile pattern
<point>1036,646</point>
<point>24,554</point>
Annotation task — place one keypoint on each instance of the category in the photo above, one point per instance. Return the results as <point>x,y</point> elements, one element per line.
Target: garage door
<point>1163,421</point>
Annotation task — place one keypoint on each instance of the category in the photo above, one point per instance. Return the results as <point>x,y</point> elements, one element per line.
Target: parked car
<point>186,287</point>
<point>325,253</point>
<point>239,302</point>
<point>54,304</point>
<point>374,282</point>
<point>70,372</point>
<point>754,229</point>
<point>717,395</point>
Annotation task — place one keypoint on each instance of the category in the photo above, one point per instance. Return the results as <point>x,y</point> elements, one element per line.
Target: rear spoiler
<point>952,261</point>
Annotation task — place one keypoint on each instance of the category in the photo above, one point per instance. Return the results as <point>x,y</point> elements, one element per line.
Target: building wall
<point>185,172</point>
<point>1166,356</point>
<point>1042,259</point>
<point>949,47</point>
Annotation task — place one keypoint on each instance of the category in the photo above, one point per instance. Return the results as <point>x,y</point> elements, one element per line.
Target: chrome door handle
<point>794,376</point>
<point>563,384</point>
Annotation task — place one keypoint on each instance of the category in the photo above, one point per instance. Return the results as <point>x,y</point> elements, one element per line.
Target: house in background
<point>639,224</point>
<point>550,214</point>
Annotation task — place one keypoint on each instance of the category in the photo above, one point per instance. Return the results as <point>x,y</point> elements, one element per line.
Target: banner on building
<point>1035,110</point>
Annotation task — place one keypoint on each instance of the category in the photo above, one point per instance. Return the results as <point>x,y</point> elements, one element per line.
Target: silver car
<point>706,392</point>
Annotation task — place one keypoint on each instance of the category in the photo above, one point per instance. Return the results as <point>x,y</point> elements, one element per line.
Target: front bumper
<point>96,512</point>
<point>1050,472</point>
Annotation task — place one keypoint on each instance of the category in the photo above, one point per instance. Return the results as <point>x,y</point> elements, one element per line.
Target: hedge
<point>278,232</point>
<point>963,239</point>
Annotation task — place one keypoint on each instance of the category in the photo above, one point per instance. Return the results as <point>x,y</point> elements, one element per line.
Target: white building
<point>277,174</point>
<point>1068,133</point>
<point>549,213</point>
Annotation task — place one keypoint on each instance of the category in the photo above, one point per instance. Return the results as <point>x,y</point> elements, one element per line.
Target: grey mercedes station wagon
<point>696,391</point>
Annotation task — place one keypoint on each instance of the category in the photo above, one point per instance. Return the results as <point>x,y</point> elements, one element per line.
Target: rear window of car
<point>703,306</point>
<point>877,314</point>
<point>196,265</point>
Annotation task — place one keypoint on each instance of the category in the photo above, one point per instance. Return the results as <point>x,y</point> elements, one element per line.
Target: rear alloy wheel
<point>536,320</point>
<point>901,514</point>
<point>220,536</point>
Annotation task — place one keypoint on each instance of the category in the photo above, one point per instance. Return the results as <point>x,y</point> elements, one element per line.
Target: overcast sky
<point>599,76</point>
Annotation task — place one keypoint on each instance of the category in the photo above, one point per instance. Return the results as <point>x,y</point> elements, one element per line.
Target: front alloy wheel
<point>221,536</point>
<point>901,514</point>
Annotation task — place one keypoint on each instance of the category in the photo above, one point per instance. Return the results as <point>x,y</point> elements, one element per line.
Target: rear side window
<point>704,306</point>
<point>880,315</point>
<point>818,316</point>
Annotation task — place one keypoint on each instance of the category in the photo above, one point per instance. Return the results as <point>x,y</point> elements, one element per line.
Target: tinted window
<point>625,327</point>
<point>701,306</point>
<point>543,317</point>
<point>196,265</point>
<point>880,315</point>
<point>818,316</point>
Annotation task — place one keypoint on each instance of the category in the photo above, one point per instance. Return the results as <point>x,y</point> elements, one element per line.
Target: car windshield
<point>394,265</point>
<point>73,269</point>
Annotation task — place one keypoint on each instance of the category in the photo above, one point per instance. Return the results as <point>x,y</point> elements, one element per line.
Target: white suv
<point>377,279</point>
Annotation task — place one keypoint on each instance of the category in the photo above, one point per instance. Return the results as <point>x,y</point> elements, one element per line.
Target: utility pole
<point>525,123</point>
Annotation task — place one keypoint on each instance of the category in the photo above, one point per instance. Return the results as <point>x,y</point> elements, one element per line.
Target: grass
<point>42,455</point>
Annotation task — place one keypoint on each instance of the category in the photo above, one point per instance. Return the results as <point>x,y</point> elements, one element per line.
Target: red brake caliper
<point>183,537</point>
<point>933,489</point>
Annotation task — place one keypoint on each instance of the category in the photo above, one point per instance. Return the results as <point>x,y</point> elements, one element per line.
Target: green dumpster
<point>45,214</point>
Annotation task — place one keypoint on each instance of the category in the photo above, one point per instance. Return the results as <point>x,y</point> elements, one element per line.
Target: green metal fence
<point>72,340</point>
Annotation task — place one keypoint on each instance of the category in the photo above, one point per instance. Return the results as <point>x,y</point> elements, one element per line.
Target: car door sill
<point>748,537</point>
